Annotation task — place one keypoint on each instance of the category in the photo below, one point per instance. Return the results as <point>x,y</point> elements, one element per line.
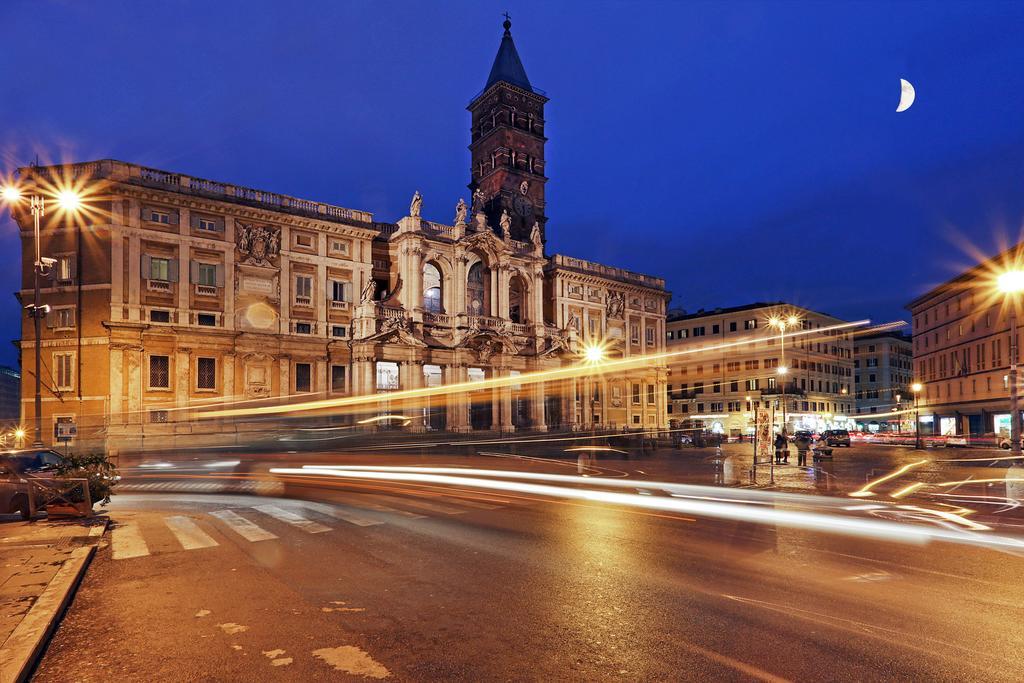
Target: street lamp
<point>916,389</point>
<point>69,201</point>
<point>1010,283</point>
<point>594,354</point>
<point>899,411</point>
<point>782,324</point>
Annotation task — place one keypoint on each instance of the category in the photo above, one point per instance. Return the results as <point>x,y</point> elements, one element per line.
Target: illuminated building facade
<point>882,369</point>
<point>175,292</point>
<point>729,361</point>
<point>962,345</point>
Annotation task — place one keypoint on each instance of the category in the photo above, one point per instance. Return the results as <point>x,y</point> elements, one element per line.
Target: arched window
<point>432,293</point>
<point>478,300</point>
<point>517,300</point>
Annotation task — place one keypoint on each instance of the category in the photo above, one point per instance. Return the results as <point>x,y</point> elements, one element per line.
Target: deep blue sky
<point>744,151</point>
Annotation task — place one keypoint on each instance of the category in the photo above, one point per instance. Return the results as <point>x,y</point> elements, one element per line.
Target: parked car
<point>836,437</point>
<point>14,467</point>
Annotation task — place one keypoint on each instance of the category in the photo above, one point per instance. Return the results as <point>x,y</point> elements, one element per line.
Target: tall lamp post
<point>783,370</point>
<point>594,354</point>
<point>1011,283</point>
<point>916,389</point>
<point>69,201</point>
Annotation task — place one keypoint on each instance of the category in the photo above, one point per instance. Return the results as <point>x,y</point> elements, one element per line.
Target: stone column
<point>116,271</point>
<point>284,366</point>
<point>503,283</point>
<point>494,310</point>
<point>184,280</point>
<point>457,408</point>
<point>135,358</point>
<point>182,378</point>
<point>116,385</point>
<point>459,286</point>
<point>411,377</point>
<point>537,404</point>
<point>229,286</point>
<point>228,381</point>
<point>505,397</point>
<point>134,276</point>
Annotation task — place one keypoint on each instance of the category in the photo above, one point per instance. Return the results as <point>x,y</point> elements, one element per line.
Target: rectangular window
<point>160,216</point>
<point>387,375</point>
<point>206,274</point>
<point>636,393</point>
<point>207,224</point>
<point>339,331</point>
<point>303,377</point>
<point>303,328</point>
<point>303,290</point>
<point>159,372</point>
<point>698,332</point>
<point>64,269</point>
<point>63,371</point>
<point>715,329</point>
<point>750,324</point>
<point>650,336</point>
<point>341,291</point>
<point>206,319</point>
<point>303,240</point>
<point>158,416</point>
<point>206,373</point>
<point>650,394</point>
<point>682,334</point>
<point>159,316</point>
<point>338,378</point>
<point>634,333</point>
<point>671,334</point>
<point>61,318</point>
<point>160,269</point>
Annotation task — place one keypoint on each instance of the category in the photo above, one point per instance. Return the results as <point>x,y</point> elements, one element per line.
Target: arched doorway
<point>517,300</point>
<point>478,295</point>
<point>433,293</point>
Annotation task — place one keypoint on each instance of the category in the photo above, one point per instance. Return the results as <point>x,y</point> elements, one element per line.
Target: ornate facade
<point>174,293</point>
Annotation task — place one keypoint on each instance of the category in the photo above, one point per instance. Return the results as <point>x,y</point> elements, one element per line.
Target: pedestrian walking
<point>803,444</point>
<point>781,448</point>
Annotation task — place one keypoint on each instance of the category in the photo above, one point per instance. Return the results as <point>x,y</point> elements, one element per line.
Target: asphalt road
<point>427,583</point>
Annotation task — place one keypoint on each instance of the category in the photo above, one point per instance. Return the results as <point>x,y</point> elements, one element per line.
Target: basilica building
<point>170,294</point>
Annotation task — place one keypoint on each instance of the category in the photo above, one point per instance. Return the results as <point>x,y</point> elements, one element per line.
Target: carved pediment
<point>395,331</point>
<point>257,244</point>
<point>488,342</point>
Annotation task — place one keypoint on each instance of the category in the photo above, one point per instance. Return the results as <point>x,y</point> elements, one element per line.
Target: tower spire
<point>507,65</point>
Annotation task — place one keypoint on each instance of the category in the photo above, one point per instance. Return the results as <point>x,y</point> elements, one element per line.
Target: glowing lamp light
<point>916,387</point>
<point>792,321</point>
<point>782,370</point>
<point>593,353</point>
<point>69,200</point>
<point>1011,281</point>
<point>19,433</point>
<point>11,194</point>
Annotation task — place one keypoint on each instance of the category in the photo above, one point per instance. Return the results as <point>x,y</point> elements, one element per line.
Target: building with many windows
<point>962,346</point>
<point>882,369</point>
<point>725,363</point>
<point>171,293</point>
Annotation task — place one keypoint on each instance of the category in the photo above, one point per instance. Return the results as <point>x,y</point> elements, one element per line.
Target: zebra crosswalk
<point>140,536</point>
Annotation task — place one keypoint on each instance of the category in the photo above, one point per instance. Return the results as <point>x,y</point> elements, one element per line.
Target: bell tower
<point>507,144</point>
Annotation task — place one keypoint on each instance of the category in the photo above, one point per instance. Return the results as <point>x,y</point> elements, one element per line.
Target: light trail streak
<point>385,418</point>
<point>866,490</point>
<point>980,481</point>
<point>810,521</point>
<point>554,374</point>
<point>906,490</point>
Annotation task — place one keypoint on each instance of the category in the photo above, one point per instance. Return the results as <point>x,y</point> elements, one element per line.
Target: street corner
<point>43,562</point>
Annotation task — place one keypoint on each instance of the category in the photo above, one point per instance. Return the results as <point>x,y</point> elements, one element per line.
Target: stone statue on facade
<point>369,291</point>
<point>416,205</point>
<point>535,239</point>
<point>460,212</point>
<point>506,225</point>
<point>480,221</point>
<point>616,305</point>
<point>258,244</point>
<point>478,200</point>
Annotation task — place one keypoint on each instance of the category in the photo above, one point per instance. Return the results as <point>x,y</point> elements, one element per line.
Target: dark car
<point>836,437</point>
<point>15,466</point>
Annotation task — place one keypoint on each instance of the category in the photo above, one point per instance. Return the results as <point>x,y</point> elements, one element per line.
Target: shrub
<point>97,469</point>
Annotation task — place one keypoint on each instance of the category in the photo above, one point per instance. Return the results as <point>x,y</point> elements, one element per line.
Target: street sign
<point>65,431</point>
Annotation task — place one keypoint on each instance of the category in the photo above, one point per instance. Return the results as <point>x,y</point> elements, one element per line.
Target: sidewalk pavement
<point>41,564</point>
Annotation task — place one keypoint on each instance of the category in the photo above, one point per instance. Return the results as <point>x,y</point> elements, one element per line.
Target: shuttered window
<point>159,372</point>
<point>206,373</point>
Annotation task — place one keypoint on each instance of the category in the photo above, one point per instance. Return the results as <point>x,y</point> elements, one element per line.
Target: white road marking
<point>423,505</point>
<point>291,518</point>
<point>243,527</point>
<point>190,536</point>
<point>341,513</point>
<point>472,503</point>
<point>384,508</point>
<point>126,541</point>
<point>352,660</point>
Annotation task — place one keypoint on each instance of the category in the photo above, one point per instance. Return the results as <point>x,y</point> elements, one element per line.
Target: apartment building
<point>725,363</point>
<point>883,366</point>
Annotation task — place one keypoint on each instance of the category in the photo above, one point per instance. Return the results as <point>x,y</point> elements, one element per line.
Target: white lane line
<point>471,503</point>
<point>243,527</point>
<point>189,535</point>
<point>423,505</point>
<point>126,541</point>
<point>342,514</point>
<point>377,507</point>
<point>292,518</point>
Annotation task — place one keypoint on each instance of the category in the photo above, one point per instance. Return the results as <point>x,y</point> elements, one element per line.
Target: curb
<point>27,642</point>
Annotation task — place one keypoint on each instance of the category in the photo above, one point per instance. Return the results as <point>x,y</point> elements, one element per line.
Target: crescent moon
<point>907,95</point>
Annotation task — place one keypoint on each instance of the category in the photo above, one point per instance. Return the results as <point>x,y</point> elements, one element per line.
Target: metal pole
<point>1014,411</point>
<point>37,212</point>
<point>917,421</point>
<point>782,340</point>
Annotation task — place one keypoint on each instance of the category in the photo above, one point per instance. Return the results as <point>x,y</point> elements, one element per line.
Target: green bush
<point>97,469</point>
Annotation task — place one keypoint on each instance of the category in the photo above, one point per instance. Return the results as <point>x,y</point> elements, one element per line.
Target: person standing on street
<point>781,447</point>
<point>803,444</point>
